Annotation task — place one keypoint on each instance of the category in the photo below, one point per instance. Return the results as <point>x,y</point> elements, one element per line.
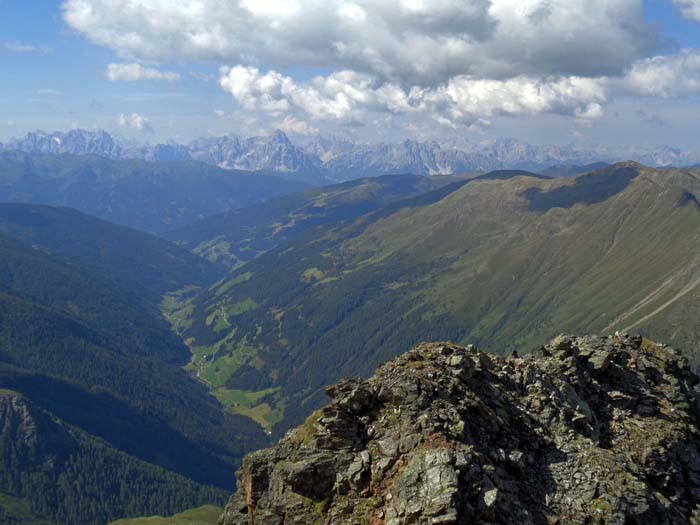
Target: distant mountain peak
<point>279,136</point>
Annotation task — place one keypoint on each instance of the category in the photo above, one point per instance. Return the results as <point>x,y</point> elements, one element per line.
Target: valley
<point>171,357</point>
<point>91,376</point>
<point>349,262</point>
<point>475,261</point>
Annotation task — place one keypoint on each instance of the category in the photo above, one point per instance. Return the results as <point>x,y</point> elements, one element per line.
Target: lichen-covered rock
<point>589,430</point>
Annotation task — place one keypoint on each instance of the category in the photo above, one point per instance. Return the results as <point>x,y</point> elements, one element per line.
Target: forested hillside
<point>53,473</point>
<point>139,264</point>
<point>504,263</point>
<point>83,348</point>
<point>149,196</point>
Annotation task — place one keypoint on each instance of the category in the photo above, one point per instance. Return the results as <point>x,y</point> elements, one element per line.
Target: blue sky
<point>541,70</point>
<point>61,84</point>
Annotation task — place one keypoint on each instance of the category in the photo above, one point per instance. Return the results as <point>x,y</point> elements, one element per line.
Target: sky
<point>613,72</point>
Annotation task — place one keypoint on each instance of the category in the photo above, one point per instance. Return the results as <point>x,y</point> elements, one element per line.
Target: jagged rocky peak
<point>588,430</point>
<point>33,434</point>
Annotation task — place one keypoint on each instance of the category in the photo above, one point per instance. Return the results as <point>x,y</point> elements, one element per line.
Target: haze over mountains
<point>324,159</point>
<point>150,196</point>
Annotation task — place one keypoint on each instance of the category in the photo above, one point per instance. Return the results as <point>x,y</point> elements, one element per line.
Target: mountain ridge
<point>237,236</point>
<point>148,196</point>
<point>585,430</point>
<point>140,263</point>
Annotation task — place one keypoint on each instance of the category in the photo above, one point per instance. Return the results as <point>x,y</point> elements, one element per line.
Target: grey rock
<point>577,433</point>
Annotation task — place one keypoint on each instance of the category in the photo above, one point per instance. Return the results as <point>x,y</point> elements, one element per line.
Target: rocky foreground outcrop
<point>589,430</point>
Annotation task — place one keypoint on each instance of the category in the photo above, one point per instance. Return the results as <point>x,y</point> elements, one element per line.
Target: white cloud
<point>577,135</point>
<point>671,76</point>
<point>461,63</point>
<point>465,100</point>
<point>341,96</point>
<point>19,47</point>
<point>135,121</point>
<point>253,90</point>
<point>293,126</point>
<point>348,96</point>
<point>134,72</point>
<point>689,8</point>
<point>402,41</point>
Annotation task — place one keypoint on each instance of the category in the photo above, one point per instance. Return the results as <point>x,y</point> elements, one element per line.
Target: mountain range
<point>323,159</point>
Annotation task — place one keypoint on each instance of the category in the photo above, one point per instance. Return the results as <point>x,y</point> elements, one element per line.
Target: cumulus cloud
<point>293,126</point>
<point>467,100</point>
<point>253,90</point>
<point>348,96</point>
<point>671,76</point>
<point>135,121</point>
<point>689,8</point>
<point>408,42</point>
<point>343,95</point>
<point>133,72</point>
<point>458,62</point>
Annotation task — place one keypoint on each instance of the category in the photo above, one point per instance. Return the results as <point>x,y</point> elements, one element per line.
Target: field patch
<point>247,403</point>
<point>206,515</point>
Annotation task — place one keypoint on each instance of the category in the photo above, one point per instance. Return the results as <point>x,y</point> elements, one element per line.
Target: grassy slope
<point>240,235</point>
<point>518,275</point>
<point>504,263</point>
<point>205,515</point>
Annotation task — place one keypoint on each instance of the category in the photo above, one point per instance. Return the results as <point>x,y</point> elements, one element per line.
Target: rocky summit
<point>587,430</point>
